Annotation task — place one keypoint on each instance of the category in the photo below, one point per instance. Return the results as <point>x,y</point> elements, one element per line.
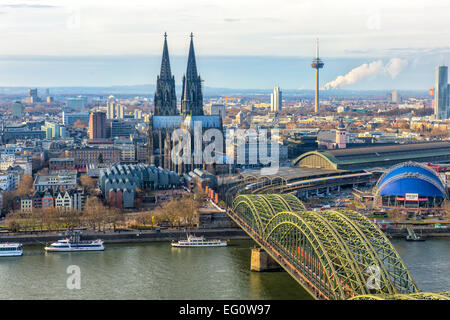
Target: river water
<point>158,271</point>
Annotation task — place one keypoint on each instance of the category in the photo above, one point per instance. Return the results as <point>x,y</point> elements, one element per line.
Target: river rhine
<point>158,271</point>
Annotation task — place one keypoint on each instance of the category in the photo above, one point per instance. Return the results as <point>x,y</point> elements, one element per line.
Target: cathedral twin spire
<point>165,98</point>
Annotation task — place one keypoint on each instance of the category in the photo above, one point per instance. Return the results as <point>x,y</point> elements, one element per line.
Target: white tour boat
<point>73,243</point>
<point>193,241</point>
<point>11,249</point>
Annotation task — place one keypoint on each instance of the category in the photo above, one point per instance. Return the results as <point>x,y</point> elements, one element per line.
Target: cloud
<point>393,68</point>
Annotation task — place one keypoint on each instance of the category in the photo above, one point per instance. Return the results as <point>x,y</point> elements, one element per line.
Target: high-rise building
<point>69,119</point>
<point>77,103</point>
<point>114,110</point>
<point>441,94</point>
<point>17,109</point>
<point>276,100</point>
<point>120,128</point>
<point>120,110</point>
<point>110,109</point>
<point>138,114</point>
<point>192,97</point>
<point>32,96</point>
<point>33,93</point>
<point>97,125</point>
<point>165,101</point>
<point>395,97</point>
<point>53,130</point>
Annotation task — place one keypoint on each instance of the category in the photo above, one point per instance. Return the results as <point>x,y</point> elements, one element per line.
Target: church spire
<point>165,101</point>
<point>191,66</point>
<point>192,97</point>
<point>165,63</point>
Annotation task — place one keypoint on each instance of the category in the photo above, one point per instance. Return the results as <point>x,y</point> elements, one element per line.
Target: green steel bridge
<point>334,255</point>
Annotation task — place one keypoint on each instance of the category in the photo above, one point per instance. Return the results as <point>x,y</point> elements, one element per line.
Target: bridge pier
<point>262,261</point>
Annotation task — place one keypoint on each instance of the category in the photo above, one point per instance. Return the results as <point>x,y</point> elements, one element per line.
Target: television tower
<point>317,64</point>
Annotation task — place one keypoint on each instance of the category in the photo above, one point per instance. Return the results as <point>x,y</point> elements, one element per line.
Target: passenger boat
<point>193,241</point>
<point>11,249</point>
<point>73,243</point>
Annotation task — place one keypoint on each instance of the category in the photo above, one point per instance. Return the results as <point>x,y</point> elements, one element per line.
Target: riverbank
<point>401,232</point>
<point>128,236</point>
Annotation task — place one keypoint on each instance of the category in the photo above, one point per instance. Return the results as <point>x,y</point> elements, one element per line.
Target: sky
<point>238,43</point>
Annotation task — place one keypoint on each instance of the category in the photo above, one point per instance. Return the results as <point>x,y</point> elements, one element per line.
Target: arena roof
<point>413,178</point>
<point>375,156</point>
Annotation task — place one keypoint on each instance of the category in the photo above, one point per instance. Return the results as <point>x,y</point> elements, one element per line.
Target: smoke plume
<point>393,68</point>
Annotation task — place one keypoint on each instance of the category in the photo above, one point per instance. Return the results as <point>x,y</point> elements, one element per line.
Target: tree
<point>144,218</point>
<point>113,217</point>
<point>13,226</point>
<point>8,200</point>
<point>25,186</point>
<point>79,124</point>
<point>100,158</point>
<point>87,182</point>
<point>93,213</point>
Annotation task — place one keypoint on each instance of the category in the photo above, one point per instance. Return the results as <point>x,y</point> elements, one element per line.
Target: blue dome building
<point>410,185</point>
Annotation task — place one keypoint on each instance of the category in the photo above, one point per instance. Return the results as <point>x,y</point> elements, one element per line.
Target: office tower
<point>441,93</point>
<point>77,103</point>
<point>97,125</point>
<point>69,119</point>
<point>138,114</point>
<point>120,111</point>
<point>32,93</point>
<point>17,109</point>
<point>53,130</point>
<point>165,101</point>
<point>317,64</point>
<point>276,100</point>
<point>114,110</point>
<point>192,97</point>
<point>110,109</point>
<point>32,96</point>
<point>395,97</point>
<point>120,128</point>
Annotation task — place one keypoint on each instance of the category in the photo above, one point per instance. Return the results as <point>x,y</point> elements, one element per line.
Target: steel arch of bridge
<point>334,251</point>
<point>413,296</point>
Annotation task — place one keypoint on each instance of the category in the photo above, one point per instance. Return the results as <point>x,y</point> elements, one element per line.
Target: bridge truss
<point>413,296</point>
<point>332,254</point>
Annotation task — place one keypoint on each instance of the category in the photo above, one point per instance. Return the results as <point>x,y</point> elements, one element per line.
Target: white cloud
<point>232,27</point>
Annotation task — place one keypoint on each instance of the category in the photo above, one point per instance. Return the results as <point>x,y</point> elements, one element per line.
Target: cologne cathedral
<point>166,117</point>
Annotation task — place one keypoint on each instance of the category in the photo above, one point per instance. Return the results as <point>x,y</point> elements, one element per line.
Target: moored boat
<point>11,249</point>
<point>73,243</point>
<point>194,241</point>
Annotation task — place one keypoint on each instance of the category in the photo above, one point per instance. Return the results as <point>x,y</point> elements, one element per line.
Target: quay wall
<point>128,236</point>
